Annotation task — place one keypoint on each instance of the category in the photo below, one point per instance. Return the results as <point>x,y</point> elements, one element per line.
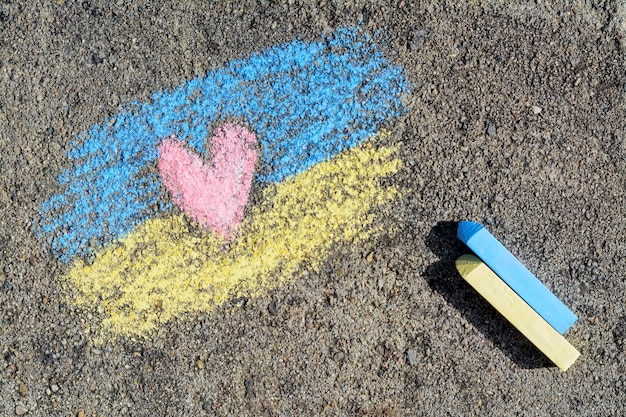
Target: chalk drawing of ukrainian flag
<point>313,108</point>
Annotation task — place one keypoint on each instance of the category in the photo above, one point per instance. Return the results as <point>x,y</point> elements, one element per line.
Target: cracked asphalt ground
<point>515,119</point>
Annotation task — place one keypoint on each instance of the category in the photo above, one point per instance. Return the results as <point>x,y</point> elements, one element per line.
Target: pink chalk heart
<point>215,193</point>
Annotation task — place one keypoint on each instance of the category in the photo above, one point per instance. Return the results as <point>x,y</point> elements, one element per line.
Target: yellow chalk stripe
<point>516,311</point>
<point>168,266</point>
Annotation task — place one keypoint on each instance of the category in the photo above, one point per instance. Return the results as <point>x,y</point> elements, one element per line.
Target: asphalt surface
<point>515,118</point>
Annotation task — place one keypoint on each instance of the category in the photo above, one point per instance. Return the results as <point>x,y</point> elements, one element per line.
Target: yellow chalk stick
<point>516,311</point>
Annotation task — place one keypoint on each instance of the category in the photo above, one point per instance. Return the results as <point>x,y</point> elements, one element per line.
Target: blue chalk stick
<point>516,276</point>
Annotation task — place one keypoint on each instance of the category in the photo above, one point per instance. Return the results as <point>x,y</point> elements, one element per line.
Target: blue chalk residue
<point>305,101</point>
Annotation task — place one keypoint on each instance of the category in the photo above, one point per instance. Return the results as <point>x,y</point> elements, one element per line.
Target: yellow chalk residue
<point>168,267</point>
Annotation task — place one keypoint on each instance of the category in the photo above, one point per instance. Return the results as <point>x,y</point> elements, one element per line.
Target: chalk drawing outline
<point>314,130</point>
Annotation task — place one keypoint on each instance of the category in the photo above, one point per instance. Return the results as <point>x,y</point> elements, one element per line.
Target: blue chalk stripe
<point>305,101</point>
<point>516,276</point>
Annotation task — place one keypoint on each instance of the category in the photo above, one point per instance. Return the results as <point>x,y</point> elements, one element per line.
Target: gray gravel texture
<point>385,328</point>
